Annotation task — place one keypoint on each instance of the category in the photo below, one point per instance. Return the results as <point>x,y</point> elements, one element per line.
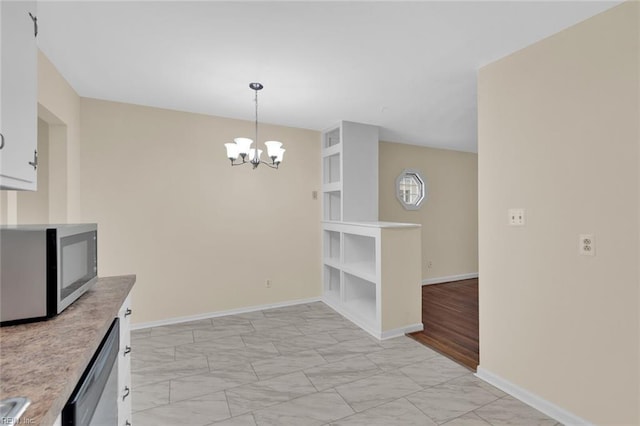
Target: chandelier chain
<point>256,152</point>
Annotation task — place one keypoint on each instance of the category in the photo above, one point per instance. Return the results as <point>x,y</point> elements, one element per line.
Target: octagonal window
<point>411,189</point>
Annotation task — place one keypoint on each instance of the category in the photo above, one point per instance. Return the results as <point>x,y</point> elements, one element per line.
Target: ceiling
<point>408,67</point>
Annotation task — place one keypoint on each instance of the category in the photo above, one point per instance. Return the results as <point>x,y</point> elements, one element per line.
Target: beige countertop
<point>44,360</point>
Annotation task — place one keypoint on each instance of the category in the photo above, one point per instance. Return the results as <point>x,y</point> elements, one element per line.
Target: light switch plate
<point>516,217</point>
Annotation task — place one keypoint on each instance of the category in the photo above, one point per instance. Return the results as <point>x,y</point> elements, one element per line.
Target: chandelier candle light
<point>241,147</point>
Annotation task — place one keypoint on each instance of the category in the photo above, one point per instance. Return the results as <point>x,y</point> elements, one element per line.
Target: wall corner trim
<point>440,280</point>
<point>177,320</point>
<point>540,404</point>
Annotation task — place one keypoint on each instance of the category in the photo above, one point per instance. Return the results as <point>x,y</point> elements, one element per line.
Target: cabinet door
<point>18,95</point>
<point>124,365</point>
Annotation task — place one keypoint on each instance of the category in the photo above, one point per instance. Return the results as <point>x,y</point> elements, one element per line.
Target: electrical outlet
<point>516,217</point>
<point>586,245</point>
<point>314,195</point>
<point>268,284</point>
<point>429,264</point>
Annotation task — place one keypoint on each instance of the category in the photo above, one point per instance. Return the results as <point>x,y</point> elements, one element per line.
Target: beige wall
<point>559,136</point>
<point>59,106</point>
<point>201,236</point>
<point>8,207</point>
<point>449,216</point>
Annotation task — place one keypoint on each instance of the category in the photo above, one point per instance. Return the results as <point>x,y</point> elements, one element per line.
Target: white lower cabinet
<point>124,365</point>
<point>372,275</point>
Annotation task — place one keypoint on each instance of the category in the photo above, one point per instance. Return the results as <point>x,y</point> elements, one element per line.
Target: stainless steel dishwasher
<point>94,402</point>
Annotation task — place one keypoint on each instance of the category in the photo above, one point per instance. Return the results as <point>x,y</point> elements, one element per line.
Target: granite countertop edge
<point>44,360</point>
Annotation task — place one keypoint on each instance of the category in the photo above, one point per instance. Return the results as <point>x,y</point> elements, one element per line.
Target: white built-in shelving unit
<point>368,276</point>
<point>350,172</point>
<point>372,275</point>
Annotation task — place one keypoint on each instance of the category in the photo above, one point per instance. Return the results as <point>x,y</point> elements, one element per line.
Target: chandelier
<point>241,147</point>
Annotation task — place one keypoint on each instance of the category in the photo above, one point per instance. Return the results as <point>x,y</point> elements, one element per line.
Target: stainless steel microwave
<point>44,269</point>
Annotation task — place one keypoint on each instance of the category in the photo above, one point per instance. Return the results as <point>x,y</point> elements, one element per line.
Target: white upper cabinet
<point>18,95</point>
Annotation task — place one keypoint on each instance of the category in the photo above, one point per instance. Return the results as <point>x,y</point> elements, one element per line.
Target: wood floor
<point>450,318</point>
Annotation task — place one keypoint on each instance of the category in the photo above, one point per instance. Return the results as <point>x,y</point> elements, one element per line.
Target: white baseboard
<point>440,280</point>
<point>207,315</point>
<point>396,332</point>
<point>368,327</point>
<point>540,404</point>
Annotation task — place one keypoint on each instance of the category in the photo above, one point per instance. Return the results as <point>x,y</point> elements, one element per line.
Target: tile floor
<point>304,365</point>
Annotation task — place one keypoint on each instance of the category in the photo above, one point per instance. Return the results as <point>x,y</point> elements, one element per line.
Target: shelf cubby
<point>331,171</point>
<point>332,205</point>
<point>360,253</point>
<point>332,282</point>
<point>360,297</point>
<point>332,246</point>
<point>332,138</point>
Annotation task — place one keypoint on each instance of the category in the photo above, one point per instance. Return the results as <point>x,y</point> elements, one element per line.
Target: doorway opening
<point>450,319</point>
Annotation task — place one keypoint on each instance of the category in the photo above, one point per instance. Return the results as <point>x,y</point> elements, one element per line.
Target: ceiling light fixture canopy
<point>241,147</point>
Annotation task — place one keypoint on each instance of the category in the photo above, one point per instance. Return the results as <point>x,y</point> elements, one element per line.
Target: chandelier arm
<point>239,164</point>
<point>269,165</point>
